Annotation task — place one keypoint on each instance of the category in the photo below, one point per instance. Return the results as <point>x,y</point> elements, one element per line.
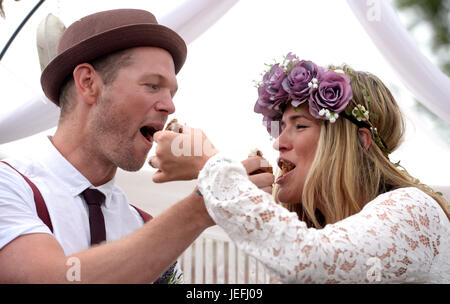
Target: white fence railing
<point>214,259</point>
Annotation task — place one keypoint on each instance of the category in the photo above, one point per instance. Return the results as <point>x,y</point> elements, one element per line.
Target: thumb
<point>254,163</point>
<point>157,135</point>
<point>159,177</point>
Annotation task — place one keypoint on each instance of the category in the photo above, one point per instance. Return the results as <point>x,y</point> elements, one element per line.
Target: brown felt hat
<point>103,33</point>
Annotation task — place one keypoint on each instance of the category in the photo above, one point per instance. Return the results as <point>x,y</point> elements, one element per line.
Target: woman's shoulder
<point>413,193</point>
<point>408,202</point>
<point>402,196</point>
<point>407,194</point>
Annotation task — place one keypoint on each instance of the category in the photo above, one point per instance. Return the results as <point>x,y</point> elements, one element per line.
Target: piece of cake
<point>285,166</point>
<point>174,126</point>
<point>265,166</point>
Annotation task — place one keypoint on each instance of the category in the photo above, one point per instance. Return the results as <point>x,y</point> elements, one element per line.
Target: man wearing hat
<point>61,216</point>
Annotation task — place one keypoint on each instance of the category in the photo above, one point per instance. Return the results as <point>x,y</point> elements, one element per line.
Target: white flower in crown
<point>333,117</point>
<point>366,114</point>
<point>339,71</point>
<point>314,83</point>
<point>360,113</point>
<point>330,115</point>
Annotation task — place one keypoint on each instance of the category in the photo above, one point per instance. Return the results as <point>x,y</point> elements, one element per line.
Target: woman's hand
<point>180,156</point>
<point>257,173</point>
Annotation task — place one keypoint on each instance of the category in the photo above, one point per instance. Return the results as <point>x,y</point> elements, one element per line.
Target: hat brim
<point>121,38</point>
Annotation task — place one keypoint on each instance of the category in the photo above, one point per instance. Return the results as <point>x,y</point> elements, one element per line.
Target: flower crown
<point>328,93</point>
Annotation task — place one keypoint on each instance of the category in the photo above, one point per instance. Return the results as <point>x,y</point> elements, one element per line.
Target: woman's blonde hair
<point>345,176</point>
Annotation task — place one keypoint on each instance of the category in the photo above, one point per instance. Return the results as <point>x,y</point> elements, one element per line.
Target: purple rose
<point>333,93</point>
<point>295,82</point>
<point>298,80</point>
<point>271,94</point>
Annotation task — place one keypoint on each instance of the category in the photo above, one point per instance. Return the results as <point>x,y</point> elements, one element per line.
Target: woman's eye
<point>300,127</point>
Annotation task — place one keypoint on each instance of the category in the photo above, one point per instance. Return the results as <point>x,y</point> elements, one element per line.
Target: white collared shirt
<point>60,185</point>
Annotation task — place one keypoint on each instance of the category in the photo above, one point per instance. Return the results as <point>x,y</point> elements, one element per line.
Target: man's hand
<point>263,181</point>
<point>180,156</point>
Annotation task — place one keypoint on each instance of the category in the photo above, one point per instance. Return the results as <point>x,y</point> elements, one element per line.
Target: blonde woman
<point>346,213</point>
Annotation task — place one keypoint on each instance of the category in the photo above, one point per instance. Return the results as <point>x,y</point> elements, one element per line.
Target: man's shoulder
<point>21,165</point>
<point>12,171</point>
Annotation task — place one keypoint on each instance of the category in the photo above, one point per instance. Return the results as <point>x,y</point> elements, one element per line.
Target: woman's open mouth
<point>286,167</point>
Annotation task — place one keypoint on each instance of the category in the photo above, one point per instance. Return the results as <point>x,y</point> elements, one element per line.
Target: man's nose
<point>165,104</point>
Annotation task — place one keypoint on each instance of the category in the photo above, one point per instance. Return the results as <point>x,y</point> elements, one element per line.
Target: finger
<point>150,162</point>
<point>262,180</point>
<point>252,164</point>
<point>165,141</point>
<point>154,162</point>
<point>160,177</point>
<point>267,189</point>
<point>157,135</point>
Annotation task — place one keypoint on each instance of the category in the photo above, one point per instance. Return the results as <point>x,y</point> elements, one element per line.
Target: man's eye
<point>152,86</point>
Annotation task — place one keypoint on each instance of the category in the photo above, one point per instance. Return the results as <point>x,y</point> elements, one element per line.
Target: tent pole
<point>11,39</point>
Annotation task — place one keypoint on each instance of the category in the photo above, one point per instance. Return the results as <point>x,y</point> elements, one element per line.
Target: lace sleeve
<point>393,239</point>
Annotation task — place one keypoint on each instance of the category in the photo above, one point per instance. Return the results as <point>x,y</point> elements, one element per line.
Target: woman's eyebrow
<point>294,117</point>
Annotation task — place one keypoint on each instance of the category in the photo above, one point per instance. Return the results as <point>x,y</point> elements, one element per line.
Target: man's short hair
<point>107,66</point>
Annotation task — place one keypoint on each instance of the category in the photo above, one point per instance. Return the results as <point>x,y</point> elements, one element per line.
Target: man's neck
<point>80,152</point>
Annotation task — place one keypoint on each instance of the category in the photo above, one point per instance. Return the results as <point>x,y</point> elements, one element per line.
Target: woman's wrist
<point>203,216</point>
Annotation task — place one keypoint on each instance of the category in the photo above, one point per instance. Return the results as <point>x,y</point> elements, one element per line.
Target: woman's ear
<point>87,82</point>
<point>366,137</point>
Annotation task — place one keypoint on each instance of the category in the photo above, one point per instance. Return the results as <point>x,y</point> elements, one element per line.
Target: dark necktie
<point>94,199</point>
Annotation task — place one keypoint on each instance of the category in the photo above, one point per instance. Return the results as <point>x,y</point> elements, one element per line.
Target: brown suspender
<point>42,210</point>
<point>43,214</point>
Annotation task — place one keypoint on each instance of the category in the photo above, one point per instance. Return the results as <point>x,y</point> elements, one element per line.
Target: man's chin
<point>131,165</point>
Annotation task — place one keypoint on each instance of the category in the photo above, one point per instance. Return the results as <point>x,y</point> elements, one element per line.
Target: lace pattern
<point>401,236</point>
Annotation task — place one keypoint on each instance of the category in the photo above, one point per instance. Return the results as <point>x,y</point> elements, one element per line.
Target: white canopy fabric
<point>427,83</point>
<point>38,114</point>
<point>194,17</point>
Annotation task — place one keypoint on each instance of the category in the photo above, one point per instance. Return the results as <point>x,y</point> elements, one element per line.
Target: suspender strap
<point>41,208</point>
<point>43,214</point>
<point>145,216</point>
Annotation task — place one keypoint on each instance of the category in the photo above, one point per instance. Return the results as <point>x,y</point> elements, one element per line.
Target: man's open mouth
<point>148,132</point>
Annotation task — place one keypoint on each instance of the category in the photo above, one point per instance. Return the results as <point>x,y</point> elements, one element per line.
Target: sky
<point>216,85</point>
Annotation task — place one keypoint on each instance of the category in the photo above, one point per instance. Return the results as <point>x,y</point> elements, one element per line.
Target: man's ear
<point>366,137</point>
<point>87,82</point>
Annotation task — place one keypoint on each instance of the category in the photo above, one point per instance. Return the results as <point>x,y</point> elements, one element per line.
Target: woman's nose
<point>282,143</point>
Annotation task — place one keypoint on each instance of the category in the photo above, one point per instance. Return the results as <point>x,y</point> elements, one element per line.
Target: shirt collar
<point>69,176</point>
<point>107,190</point>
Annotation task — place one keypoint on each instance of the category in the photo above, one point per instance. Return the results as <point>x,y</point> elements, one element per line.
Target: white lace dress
<point>401,236</point>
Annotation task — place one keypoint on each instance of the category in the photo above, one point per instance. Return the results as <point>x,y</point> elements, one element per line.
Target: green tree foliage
<point>435,13</point>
